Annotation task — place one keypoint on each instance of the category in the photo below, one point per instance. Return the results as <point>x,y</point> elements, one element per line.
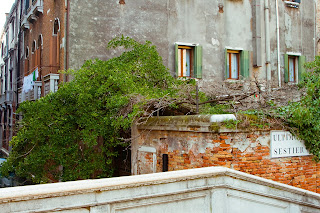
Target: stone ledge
<point>214,177</point>
<point>194,123</point>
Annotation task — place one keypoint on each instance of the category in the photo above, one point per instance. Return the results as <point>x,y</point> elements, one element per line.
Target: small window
<point>237,64</point>
<point>40,42</point>
<point>233,64</point>
<point>188,61</point>
<point>12,29</point>
<point>34,45</point>
<point>185,61</point>
<point>56,26</point>
<point>26,6</point>
<point>293,68</point>
<point>293,3</point>
<point>27,52</point>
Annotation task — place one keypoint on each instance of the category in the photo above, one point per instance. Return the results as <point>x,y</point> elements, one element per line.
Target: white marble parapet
<point>212,189</point>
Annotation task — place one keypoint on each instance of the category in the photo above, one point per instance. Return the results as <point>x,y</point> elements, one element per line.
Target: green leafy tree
<point>304,116</point>
<point>71,134</point>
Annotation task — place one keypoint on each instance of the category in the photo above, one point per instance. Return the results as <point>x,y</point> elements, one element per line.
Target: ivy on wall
<point>71,134</point>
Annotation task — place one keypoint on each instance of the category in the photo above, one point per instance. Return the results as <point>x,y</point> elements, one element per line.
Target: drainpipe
<point>278,43</point>
<point>267,29</point>
<point>315,30</point>
<point>66,40</point>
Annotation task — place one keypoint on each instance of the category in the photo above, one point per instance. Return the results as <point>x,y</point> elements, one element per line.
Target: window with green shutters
<point>236,64</point>
<point>188,60</point>
<point>293,68</point>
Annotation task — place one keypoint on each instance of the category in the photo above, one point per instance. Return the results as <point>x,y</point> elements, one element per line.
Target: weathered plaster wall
<point>213,24</point>
<point>297,32</point>
<point>193,144</point>
<point>218,190</point>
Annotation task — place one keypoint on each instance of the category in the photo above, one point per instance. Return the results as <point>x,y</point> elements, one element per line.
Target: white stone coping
<point>222,117</point>
<point>274,189</point>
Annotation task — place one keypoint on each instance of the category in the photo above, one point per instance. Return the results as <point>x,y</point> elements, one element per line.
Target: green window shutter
<point>244,64</point>
<point>286,68</point>
<point>198,62</point>
<point>301,68</point>
<point>226,63</point>
<point>176,59</point>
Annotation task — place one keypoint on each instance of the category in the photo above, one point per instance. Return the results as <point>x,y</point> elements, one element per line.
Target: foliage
<point>214,109</point>
<point>231,124</point>
<point>71,134</point>
<point>304,116</point>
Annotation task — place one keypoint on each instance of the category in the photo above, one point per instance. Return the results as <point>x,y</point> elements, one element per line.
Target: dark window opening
<point>56,27</point>
<point>165,162</point>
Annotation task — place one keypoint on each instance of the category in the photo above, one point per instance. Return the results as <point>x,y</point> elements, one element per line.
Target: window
<point>237,64</point>
<point>233,64</point>
<point>33,48</point>
<point>26,6</point>
<point>26,61</point>
<point>56,26</point>
<point>38,51</point>
<point>188,60</point>
<point>12,29</point>
<point>40,42</point>
<point>33,56</point>
<point>27,53</point>
<point>293,67</point>
<point>293,3</point>
<point>55,47</point>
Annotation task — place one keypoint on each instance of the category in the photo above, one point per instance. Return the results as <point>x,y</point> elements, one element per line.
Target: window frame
<point>56,23</point>
<point>34,46</point>
<point>27,53</point>
<point>243,63</point>
<point>295,67</point>
<point>229,72</point>
<point>299,67</point>
<point>181,70</point>
<point>196,60</point>
<point>40,42</point>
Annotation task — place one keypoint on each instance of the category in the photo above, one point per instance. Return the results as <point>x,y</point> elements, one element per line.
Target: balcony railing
<point>34,10</point>
<point>51,83</point>
<point>32,94</point>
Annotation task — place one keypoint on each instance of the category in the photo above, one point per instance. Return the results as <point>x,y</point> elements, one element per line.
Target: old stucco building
<point>223,40</point>
<point>32,53</point>
<point>210,40</point>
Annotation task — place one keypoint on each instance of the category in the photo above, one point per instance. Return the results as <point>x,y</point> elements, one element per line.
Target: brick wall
<point>43,25</point>
<point>195,146</point>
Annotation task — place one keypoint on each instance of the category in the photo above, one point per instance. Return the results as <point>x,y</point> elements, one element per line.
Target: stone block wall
<point>189,144</point>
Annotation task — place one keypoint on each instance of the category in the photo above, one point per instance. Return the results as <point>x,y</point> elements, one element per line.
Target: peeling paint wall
<point>213,24</point>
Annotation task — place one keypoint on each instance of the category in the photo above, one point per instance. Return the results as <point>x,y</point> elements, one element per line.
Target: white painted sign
<point>284,144</point>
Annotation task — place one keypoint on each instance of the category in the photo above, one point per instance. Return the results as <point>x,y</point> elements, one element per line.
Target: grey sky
<point>5,6</point>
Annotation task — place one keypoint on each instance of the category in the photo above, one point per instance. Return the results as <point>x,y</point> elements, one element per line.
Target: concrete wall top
<point>185,122</point>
